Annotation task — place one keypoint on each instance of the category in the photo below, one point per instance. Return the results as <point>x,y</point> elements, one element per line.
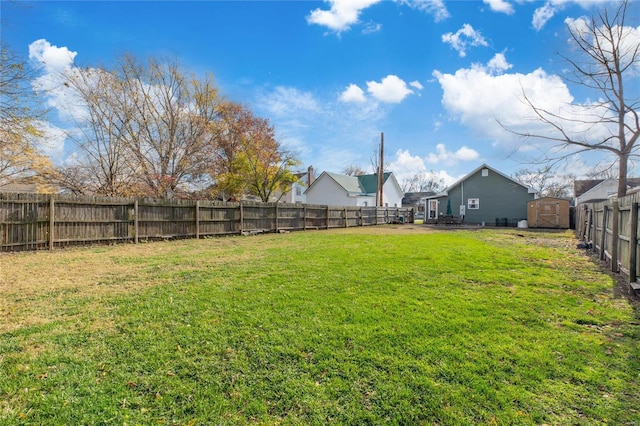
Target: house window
<point>298,190</point>
<point>473,203</point>
<point>485,172</point>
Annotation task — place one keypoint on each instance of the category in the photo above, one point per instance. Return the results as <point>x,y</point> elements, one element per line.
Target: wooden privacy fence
<point>37,221</point>
<point>610,229</point>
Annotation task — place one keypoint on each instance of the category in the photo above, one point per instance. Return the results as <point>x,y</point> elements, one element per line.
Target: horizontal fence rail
<point>42,221</point>
<point>610,229</point>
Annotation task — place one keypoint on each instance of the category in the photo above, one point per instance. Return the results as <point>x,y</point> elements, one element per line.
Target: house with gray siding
<point>484,196</point>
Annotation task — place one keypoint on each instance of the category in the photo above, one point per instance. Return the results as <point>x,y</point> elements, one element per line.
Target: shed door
<point>548,214</point>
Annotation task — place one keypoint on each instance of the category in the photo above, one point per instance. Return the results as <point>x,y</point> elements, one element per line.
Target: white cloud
<point>51,143</point>
<point>463,38</point>
<point>542,15</point>
<point>405,166</point>
<point>288,101</point>
<point>56,66</point>
<point>371,27</point>
<point>500,6</point>
<point>484,102</point>
<point>51,58</point>
<point>498,63</point>
<point>443,156</point>
<point>416,85</point>
<point>404,161</point>
<point>433,7</point>
<point>353,93</point>
<point>390,89</point>
<point>478,98</point>
<point>629,41</point>
<point>341,15</point>
<point>550,8</point>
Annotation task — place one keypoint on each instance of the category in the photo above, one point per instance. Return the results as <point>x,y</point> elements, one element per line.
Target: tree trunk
<point>623,160</point>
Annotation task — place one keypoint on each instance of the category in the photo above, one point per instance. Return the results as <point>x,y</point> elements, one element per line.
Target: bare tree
<point>608,64</point>
<point>547,182</point>
<point>146,129</point>
<point>172,124</point>
<point>423,182</point>
<point>353,170</point>
<point>602,172</point>
<point>375,161</point>
<point>103,162</point>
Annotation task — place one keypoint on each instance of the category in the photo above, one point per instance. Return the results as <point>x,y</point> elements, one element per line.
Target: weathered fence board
<point>611,229</point>
<point>40,221</point>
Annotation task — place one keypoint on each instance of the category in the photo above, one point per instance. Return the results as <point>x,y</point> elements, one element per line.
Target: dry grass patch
<point>37,286</point>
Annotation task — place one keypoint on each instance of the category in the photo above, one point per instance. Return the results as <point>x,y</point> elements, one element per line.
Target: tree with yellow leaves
<point>248,159</point>
<point>20,158</point>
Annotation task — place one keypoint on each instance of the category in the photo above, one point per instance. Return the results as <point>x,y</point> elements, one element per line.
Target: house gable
<point>581,186</point>
<point>592,190</point>
<point>599,189</point>
<point>336,189</point>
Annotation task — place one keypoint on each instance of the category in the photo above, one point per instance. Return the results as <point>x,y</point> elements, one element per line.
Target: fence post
<point>615,235</point>
<point>276,209</point>
<point>344,213</point>
<point>135,221</point>
<point>361,218</point>
<point>197,219</point>
<point>594,225</point>
<point>241,218</point>
<point>633,248</point>
<point>327,217</point>
<point>603,237</point>
<point>587,230</point>
<point>304,217</point>
<point>52,222</point>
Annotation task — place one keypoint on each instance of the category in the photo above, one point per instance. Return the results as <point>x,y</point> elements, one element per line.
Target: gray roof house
<point>484,196</point>
<point>342,190</point>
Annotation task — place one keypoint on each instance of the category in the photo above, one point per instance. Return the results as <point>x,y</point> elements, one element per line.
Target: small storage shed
<point>548,212</point>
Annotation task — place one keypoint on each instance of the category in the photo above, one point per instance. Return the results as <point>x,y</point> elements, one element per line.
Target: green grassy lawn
<point>385,325</point>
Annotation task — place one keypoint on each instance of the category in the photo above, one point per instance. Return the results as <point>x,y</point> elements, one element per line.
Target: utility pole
<point>381,171</point>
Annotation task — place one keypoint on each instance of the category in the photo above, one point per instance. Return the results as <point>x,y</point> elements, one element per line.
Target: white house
<point>296,194</point>
<point>341,190</point>
<point>595,189</point>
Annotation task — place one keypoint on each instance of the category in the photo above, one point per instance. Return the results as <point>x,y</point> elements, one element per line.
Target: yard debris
<point>587,246</point>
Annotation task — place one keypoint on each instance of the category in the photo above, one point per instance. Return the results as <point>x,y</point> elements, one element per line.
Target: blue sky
<point>433,75</point>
